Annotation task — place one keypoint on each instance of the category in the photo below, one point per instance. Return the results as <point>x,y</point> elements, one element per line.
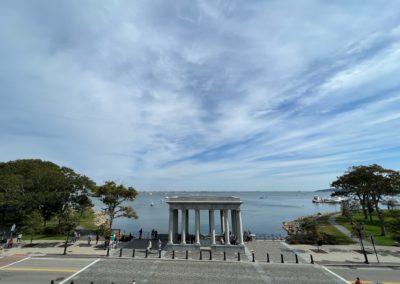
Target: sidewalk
<point>349,254</point>
<point>326,254</point>
<point>45,247</point>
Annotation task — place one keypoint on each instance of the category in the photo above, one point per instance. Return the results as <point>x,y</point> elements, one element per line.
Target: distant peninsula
<point>325,190</point>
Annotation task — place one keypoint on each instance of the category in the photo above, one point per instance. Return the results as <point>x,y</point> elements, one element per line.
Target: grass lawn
<point>331,231</point>
<point>85,220</point>
<point>372,228</point>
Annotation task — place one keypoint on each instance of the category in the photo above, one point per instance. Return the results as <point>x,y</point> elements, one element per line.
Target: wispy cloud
<point>201,95</point>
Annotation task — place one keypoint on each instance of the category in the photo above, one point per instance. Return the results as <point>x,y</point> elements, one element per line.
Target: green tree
<point>394,225</point>
<point>113,197</point>
<point>33,224</point>
<point>68,222</point>
<point>370,184</point>
<point>354,183</point>
<point>29,185</point>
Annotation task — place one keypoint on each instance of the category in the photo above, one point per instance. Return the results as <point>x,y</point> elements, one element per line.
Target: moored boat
<point>317,199</point>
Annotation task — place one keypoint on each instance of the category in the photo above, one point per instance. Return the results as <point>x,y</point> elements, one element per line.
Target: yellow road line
<point>38,269</point>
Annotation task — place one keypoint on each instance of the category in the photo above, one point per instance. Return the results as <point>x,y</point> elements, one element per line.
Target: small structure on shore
<point>230,236</point>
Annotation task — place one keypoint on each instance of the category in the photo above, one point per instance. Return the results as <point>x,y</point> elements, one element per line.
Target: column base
<point>182,247</point>
<point>228,248</point>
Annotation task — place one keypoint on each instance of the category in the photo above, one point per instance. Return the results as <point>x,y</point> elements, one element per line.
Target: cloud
<point>201,95</point>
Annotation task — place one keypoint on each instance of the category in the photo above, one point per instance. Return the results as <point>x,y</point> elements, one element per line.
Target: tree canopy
<point>114,197</point>
<point>369,184</point>
<point>35,185</point>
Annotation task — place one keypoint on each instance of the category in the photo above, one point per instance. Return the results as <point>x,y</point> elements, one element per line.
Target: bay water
<point>262,211</point>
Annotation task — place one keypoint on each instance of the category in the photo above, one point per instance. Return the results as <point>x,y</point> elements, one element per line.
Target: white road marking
<point>334,274</point>
<point>15,262</point>
<point>83,269</point>
<point>256,265</point>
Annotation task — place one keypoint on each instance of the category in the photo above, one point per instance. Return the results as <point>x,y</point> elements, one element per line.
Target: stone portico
<point>216,240</point>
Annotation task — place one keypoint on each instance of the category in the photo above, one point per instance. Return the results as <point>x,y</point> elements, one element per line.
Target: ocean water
<point>262,212</point>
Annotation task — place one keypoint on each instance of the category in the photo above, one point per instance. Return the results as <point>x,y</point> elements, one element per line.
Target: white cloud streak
<point>212,95</point>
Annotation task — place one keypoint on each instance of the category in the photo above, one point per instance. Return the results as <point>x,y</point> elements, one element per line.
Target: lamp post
<point>359,228</point>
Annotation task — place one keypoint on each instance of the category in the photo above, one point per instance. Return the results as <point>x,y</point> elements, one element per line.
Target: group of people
<point>112,241</point>
<point>10,242</point>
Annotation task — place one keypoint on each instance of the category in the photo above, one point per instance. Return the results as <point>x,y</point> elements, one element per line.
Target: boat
<point>152,204</point>
<point>261,197</point>
<point>317,199</point>
<point>335,199</point>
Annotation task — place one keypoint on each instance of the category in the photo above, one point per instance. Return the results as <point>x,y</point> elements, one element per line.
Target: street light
<point>358,227</point>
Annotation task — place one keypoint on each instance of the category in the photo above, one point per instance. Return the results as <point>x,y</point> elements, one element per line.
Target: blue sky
<point>202,95</point>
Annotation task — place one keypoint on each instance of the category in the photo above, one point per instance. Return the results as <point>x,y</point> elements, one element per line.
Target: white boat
<point>317,199</point>
<point>335,199</point>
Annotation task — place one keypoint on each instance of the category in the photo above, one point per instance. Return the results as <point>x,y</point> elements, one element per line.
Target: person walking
<point>89,239</point>
<point>159,244</point>
<point>19,238</point>
<point>140,233</point>
<point>97,238</point>
<point>10,243</point>
<point>358,281</point>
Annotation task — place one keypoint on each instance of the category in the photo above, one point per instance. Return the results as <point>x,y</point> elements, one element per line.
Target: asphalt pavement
<point>369,274</point>
<point>63,270</point>
<point>121,271</point>
<point>41,270</point>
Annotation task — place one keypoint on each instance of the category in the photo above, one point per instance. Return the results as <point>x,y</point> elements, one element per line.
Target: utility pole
<point>359,228</point>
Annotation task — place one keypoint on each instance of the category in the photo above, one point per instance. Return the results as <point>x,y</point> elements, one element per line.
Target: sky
<point>202,95</point>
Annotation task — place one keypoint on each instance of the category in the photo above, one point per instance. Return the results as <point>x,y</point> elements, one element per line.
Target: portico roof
<point>204,202</point>
<point>205,199</point>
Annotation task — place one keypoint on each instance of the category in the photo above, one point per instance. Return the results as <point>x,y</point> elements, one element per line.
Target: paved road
<point>104,271</point>
<point>371,274</point>
<point>180,271</point>
<point>41,270</point>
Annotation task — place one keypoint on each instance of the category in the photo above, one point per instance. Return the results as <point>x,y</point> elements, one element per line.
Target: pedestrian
<point>159,244</point>
<point>97,238</point>
<point>89,239</point>
<point>140,233</point>
<point>130,237</point>
<point>152,233</point>
<point>155,234</point>
<point>75,237</point>
<point>10,243</point>
<point>106,243</point>
<point>19,238</point>
<point>115,241</point>
<point>358,281</point>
